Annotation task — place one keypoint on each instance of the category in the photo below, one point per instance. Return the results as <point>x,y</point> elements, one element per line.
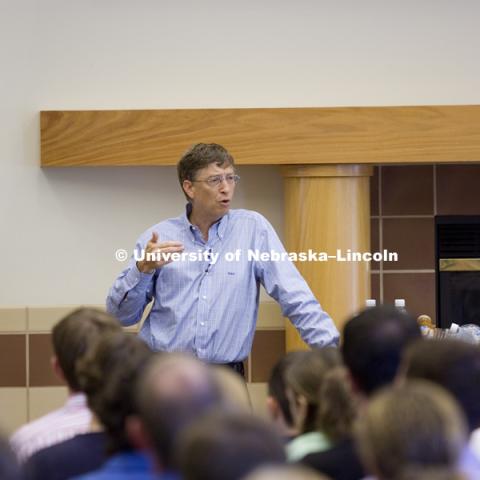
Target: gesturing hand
<point>152,247</point>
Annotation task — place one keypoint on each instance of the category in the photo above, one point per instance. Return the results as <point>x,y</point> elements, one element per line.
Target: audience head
<point>233,389</point>
<point>108,376</point>
<point>174,391</point>
<point>373,343</point>
<point>225,446</point>
<point>319,393</point>
<point>285,472</point>
<point>277,401</point>
<point>199,156</point>
<point>74,336</point>
<point>408,428</point>
<point>453,364</point>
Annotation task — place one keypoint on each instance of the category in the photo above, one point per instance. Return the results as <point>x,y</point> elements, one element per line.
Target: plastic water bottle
<point>468,333</point>
<point>400,304</point>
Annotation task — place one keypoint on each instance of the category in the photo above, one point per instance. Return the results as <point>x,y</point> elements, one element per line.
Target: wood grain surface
<point>359,135</point>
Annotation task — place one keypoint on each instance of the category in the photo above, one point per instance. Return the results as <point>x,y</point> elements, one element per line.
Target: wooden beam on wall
<point>353,135</point>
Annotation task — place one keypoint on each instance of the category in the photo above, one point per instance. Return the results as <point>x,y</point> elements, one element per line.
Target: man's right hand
<point>149,266</point>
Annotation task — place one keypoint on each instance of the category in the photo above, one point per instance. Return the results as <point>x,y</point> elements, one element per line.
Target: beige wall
<point>60,228</point>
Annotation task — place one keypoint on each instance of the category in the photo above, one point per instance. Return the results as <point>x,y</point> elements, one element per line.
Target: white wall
<point>59,228</point>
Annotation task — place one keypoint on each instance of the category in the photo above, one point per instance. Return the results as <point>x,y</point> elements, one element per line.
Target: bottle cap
<point>454,327</point>
<point>400,302</point>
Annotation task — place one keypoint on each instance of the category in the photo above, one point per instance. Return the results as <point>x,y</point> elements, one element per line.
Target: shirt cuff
<point>135,278</point>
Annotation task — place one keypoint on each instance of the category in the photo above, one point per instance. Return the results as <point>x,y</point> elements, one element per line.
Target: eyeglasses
<point>216,180</point>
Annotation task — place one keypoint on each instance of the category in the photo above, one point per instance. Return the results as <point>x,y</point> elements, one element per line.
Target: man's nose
<point>224,185</point>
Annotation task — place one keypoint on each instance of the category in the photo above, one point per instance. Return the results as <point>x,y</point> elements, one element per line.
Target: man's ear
<point>189,188</point>
<point>138,437</point>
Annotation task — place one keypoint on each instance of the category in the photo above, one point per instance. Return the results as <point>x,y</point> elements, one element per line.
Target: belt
<point>238,367</point>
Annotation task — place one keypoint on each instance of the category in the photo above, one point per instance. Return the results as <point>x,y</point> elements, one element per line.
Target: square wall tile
<point>418,290</point>
<point>41,352</point>
<point>13,363</point>
<point>13,319</point>
<point>258,397</point>
<point>43,400</point>
<point>268,348</point>
<point>13,409</point>
<point>270,316</point>
<point>458,191</point>
<point>42,319</point>
<point>413,239</point>
<point>407,190</point>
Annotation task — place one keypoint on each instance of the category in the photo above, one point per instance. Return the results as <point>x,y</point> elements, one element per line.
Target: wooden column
<point>327,207</point>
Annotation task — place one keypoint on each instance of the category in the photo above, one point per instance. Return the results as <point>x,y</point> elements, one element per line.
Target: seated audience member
<point>455,366</point>
<point>72,337</point>
<point>320,419</point>
<point>233,389</point>
<point>174,391</point>
<point>285,472</point>
<point>87,452</point>
<point>9,469</point>
<point>335,419</point>
<point>278,406</point>
<point>225,446</point>
<point>411,428</point>
<point>108,376</point>
<point>373,343</point>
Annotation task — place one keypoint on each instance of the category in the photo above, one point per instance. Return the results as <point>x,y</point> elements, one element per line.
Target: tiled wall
<point>29,389</point>
<point>404,201</point>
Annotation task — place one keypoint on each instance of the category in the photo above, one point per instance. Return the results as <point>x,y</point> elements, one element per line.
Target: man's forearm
<point>128,296</point>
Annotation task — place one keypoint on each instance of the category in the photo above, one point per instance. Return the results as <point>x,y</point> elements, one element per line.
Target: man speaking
<point>204,285</point>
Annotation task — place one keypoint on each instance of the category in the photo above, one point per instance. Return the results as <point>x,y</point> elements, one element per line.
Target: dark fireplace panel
<point>458,269</point>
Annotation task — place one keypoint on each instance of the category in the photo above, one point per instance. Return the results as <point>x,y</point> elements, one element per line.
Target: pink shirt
<point>55,427</point>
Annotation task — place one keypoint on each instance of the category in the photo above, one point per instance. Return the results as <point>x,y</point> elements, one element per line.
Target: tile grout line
<point>27,355</point>
<point>380,229</point>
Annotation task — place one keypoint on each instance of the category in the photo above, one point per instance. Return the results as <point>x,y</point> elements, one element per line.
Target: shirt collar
<point>220,226</point>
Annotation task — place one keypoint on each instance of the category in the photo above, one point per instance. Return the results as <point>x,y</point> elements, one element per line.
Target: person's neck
<point>95,425</point>
<point>202,222</point>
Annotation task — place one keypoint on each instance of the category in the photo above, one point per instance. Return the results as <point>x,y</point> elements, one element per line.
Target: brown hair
<point>414,426</point>
<point>305,377</point>
<point>224,446</point>
<point>200,156</point>
<point>108,376</point>
<point>74,335</point>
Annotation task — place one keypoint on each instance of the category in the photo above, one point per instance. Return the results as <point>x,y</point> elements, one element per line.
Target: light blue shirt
<point>210,308</point>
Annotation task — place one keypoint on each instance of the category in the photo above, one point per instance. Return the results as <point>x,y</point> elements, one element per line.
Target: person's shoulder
<point>241,214</point>
<point>32,429</point>
<point>165,229</point>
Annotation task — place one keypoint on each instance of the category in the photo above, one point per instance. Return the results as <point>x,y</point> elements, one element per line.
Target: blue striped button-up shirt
<point>208,305</point>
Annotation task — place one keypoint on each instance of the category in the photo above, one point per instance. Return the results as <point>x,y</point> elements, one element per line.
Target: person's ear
<point>57,369</point>
<point>189,188</point>
<point>273,408</point>
<point>136,433</point>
